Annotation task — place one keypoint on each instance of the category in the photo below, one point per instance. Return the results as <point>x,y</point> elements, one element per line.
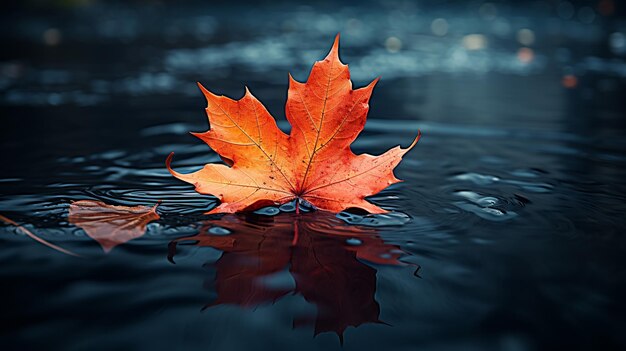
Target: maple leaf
<point>111,225</point>
<point>314,162</point>
<point>327,267</point>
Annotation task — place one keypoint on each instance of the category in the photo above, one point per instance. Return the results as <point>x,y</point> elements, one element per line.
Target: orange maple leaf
<point>314,163</point>
<point>111,225</point>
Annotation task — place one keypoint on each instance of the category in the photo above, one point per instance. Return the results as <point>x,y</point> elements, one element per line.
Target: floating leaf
<point>111,225</point>
<point>314,163</point>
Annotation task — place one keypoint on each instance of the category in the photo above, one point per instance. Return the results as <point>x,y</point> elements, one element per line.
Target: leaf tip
<point>248,93</point>
<point>334,50</point>
<point>291,79</point>
<point>202,88</point>
<point>372,84</point>
<point>168,164</point>
<point>207,94</point>
<point>154,208</point>
<point>417,138</point>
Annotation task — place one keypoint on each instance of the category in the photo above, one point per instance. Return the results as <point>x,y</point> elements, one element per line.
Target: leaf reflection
<point>325,257</point>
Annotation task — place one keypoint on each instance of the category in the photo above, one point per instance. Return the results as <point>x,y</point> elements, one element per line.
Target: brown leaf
<point>111,225</point>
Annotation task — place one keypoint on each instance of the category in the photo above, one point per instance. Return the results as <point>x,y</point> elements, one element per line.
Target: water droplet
<point>375,220</point>
<point>153,229</point>
<point>349,218</point>
<point>268,211</point>
<point>306,206</point>
<point>493,211</point>
<point>478,179</point>
<point>483,201</point>
<point>487,201</point>
<point>488,213</point>
<point>219,231</point>
<point>353,242</point>
<point>288,207</point>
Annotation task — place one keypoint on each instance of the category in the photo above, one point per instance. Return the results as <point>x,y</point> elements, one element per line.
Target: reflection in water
<point>323,255</point>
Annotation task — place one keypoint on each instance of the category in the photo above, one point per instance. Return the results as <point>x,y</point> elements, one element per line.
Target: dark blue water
<point>507,234</point>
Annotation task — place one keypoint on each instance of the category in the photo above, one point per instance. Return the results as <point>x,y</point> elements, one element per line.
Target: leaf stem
<point>298,205</point>
<point>36,238</point>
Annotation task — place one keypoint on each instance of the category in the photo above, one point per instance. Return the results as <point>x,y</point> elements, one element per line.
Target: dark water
<point>512,205</point>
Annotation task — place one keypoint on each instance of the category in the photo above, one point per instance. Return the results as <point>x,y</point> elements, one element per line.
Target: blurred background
<point>516,191</point>
<point>472,62</point>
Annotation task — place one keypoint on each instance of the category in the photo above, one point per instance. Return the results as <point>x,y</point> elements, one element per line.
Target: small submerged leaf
<point>111,225</point>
